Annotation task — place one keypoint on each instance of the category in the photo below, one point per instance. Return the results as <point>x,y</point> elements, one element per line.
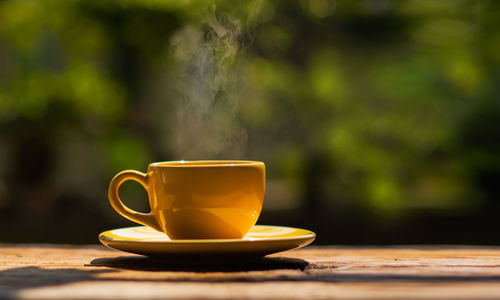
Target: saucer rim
<point>309,235</point>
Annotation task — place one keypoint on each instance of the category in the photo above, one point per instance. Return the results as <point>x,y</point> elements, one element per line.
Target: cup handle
<point>147,219</point>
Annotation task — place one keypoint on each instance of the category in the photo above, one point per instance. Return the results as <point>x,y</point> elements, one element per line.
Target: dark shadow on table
<point>308,272</point>
<point>142,263</point>
<point>15,279</point>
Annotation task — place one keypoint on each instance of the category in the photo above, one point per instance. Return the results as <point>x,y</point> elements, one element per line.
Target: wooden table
<point>54,271</point>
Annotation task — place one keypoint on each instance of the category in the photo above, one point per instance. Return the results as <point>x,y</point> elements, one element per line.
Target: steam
<point>206,103</point>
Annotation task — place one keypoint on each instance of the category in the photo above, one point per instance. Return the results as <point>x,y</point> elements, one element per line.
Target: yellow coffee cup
<point>197,199</point>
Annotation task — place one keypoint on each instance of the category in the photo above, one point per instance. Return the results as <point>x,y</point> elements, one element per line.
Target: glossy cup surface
<point>198,199</point>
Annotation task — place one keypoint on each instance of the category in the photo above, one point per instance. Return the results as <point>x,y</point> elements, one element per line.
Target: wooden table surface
<point>417,272</point>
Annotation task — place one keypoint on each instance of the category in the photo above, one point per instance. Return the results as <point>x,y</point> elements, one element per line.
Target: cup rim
<point>205,163</point>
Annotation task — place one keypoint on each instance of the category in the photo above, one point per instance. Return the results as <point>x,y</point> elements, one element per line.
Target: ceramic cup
<point>197,199</point>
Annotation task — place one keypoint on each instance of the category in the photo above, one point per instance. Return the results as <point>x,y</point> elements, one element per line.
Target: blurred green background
<point>377,120</point>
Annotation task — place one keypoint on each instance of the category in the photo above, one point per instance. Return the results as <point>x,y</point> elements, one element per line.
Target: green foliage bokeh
<point>385,106</point>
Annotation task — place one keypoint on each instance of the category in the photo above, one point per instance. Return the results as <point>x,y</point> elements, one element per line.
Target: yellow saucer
<point>260,241</point>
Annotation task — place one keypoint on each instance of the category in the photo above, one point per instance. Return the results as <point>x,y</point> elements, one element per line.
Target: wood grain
<point>445,272</point>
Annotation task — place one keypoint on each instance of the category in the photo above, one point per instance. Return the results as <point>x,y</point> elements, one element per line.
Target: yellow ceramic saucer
<point>260,241</point>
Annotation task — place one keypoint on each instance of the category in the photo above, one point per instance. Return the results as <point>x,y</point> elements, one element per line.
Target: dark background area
<point>378,121</point>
